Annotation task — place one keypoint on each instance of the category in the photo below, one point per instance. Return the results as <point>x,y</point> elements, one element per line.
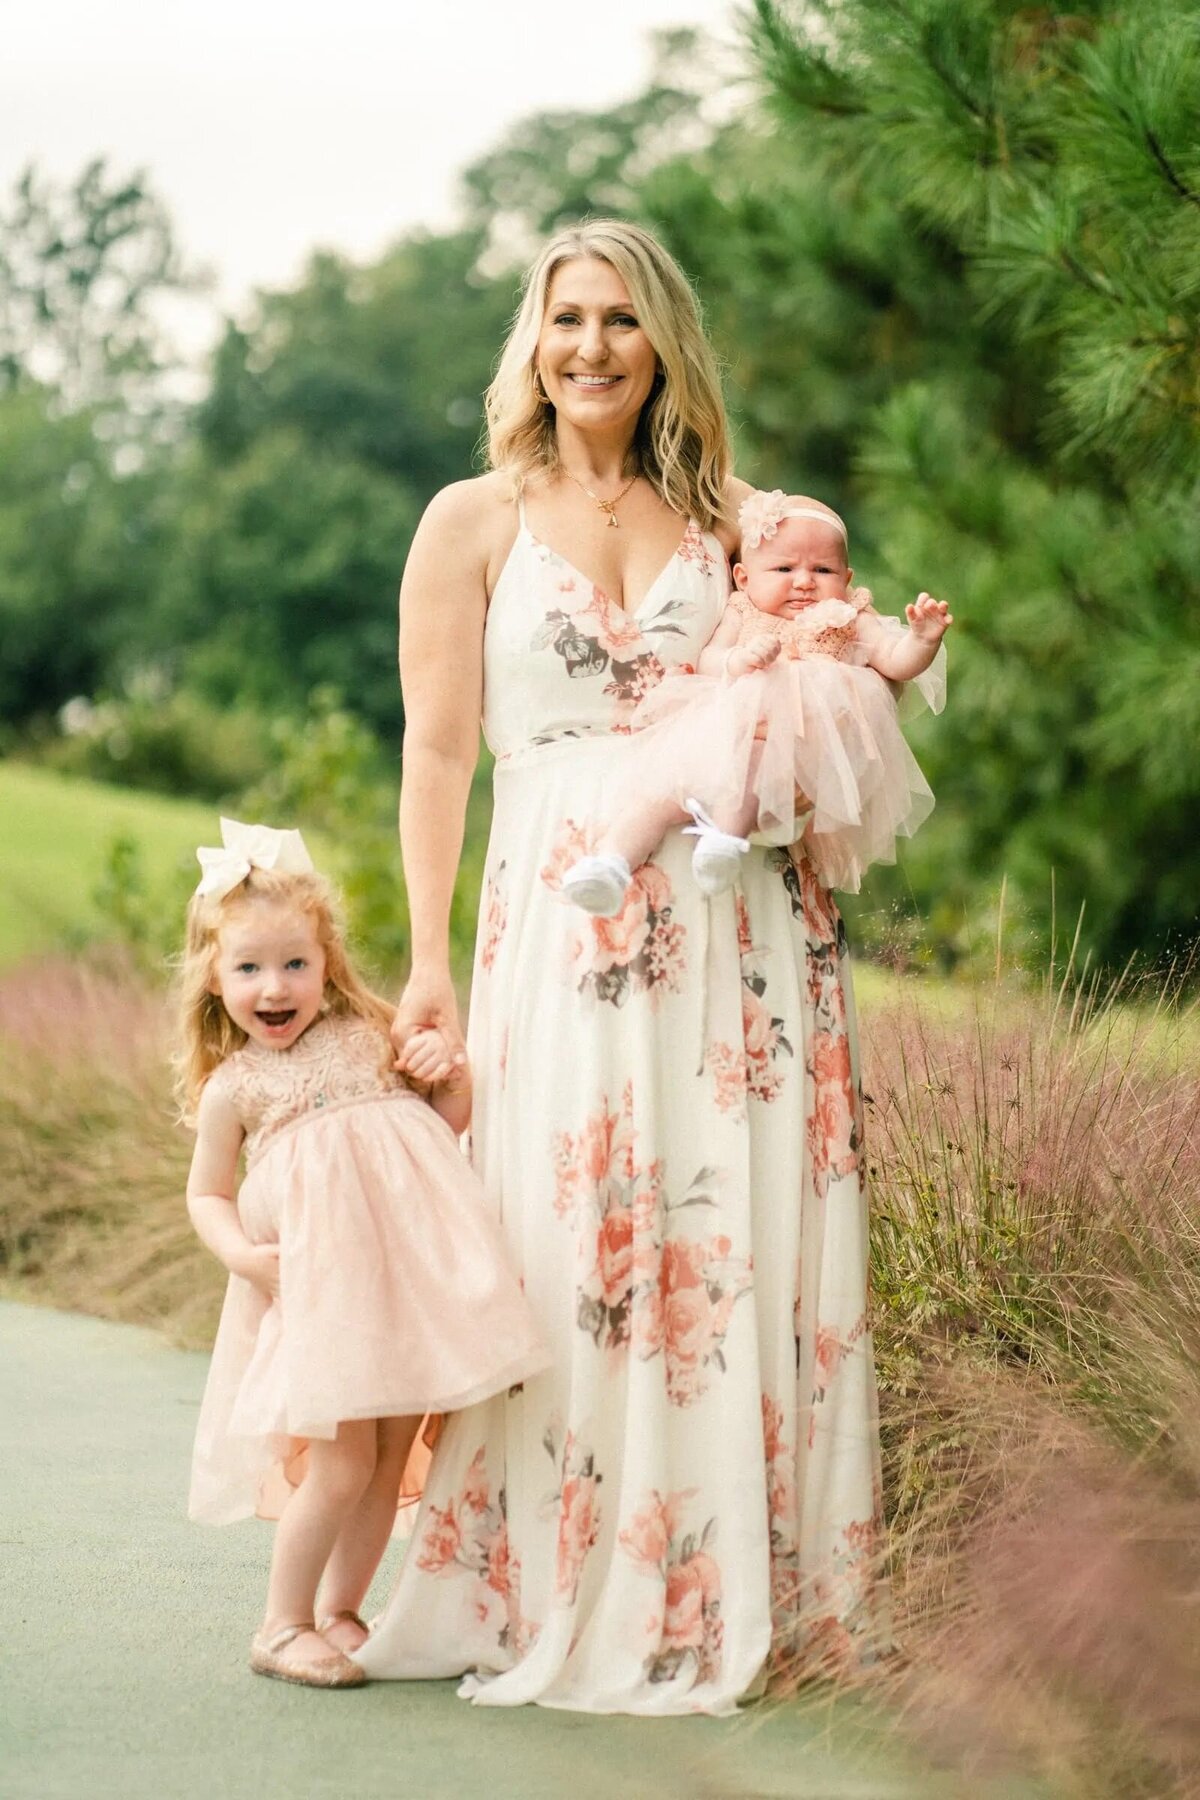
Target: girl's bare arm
<point>212,1207</point>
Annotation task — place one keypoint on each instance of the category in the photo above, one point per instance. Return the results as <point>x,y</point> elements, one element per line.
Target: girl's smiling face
<point>270,972</point>
<point>596,363</point>
<point>805,561</point>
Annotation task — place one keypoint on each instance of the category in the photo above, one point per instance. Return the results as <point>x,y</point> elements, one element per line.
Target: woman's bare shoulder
<point>477,505</point>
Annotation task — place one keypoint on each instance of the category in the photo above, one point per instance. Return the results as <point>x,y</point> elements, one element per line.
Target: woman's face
<point>596,363</point>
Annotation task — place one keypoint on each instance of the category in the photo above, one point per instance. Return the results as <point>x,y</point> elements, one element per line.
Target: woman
<point>667,1113</point>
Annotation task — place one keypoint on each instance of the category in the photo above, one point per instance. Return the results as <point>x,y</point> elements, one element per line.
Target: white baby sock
<point>718,854</point>
<point>598,884</point>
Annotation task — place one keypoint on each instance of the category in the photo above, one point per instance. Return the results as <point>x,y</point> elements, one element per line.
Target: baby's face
<point>804,562</point>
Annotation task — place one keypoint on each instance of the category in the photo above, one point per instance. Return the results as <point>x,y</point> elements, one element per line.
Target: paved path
<point>125,1630</point>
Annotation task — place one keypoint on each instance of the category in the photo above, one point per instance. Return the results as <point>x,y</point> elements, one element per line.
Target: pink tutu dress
<point>816,733</point>
<point>396,1294</point>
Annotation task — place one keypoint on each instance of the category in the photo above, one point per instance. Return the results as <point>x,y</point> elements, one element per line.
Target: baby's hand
<point>261,1269</point>
<point>929,619</point>
<point>428,1059</point>
<point>757,653</point>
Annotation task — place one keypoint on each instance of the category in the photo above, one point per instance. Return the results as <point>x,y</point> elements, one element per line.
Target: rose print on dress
<point>781,1518</point>
<point>575,1504</point>
<point>835,1111</point>
<point>753,1067</point>
<point>641,950</point>
<point>640,1283</point>
<point>837,1630</point>
<point>695,549</point>
<point>600,638</point>
<point>685,1626</point>
<point>469,1536</point>
<point>494,911</point>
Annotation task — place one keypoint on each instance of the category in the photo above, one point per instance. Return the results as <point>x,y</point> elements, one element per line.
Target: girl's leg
<point>363,1538</point>
<point>338,1473</point>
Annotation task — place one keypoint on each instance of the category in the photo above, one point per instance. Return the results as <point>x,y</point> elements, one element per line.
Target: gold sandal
<point>347,1616</point>
<point>332,1671</point>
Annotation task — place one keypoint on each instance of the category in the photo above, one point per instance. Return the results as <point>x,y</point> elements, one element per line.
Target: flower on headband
<point>759,516</point>
<point>246,847</point>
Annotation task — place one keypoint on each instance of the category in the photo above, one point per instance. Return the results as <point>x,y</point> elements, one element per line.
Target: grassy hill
<point>57,834</point>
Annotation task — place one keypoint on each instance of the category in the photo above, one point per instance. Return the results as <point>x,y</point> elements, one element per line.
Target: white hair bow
<point>246,847</point>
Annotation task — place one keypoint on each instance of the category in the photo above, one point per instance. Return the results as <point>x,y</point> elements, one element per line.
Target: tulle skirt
<point>812,735</point>
<point>396,1299</point>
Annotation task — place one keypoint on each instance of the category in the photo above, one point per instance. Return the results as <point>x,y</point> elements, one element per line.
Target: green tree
<point>1049,164</point>
<point>78,550</point>
<point>282,575</point>
<point>82,270</point>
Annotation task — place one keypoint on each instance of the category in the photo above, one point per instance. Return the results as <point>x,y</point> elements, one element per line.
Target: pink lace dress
<point>396,1295</point>
<point>815,733</point>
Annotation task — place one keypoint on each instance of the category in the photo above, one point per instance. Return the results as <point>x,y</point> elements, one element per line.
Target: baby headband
<point>760,514</point>
<point>246,847</point>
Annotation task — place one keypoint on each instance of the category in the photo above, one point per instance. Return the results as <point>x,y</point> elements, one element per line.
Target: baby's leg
<point>599,883</point>
<point>337,1476</point>
<point>364,1535</point>
<point>636,835</point>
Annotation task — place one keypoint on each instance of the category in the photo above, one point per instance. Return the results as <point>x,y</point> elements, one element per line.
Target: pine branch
<point>1174,179</point>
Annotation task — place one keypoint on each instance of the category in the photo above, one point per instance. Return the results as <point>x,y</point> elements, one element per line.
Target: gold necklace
<point>606,506</point>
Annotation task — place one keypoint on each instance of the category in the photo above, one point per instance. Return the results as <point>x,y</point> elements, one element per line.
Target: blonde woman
<point>667,1113</point>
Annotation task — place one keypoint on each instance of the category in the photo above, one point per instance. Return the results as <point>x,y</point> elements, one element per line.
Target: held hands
<point>430,1061</point>
<point>428,1006</point>
<point>929,619</point>
<point>758,653</point>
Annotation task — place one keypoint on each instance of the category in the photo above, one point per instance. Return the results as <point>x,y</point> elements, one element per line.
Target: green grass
<point>57,831</point>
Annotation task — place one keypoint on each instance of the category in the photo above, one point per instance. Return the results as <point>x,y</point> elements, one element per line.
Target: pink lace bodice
<point>337,1060</point>
<point>827,628</point>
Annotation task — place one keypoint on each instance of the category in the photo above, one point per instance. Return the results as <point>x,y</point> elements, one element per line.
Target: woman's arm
<point>711,660</point>
<point>443,604</point>
<point>727,530</point>
<point>210,1195</point>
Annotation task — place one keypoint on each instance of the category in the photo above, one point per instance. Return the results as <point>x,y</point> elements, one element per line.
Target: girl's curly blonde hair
<point>682,441</point>
<point>206,1033</point>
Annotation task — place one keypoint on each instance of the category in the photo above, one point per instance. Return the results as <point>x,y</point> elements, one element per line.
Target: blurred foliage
<point>82,269</point>
<point>950,256</point>
<point>168,741</point>
<point>329,774</point>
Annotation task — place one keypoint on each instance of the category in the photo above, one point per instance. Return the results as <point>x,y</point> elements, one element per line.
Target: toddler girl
<point>368,1279</point>
<point>787,715</point>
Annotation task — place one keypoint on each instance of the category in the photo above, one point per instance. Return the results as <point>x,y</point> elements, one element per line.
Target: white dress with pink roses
<point>669,1124</point>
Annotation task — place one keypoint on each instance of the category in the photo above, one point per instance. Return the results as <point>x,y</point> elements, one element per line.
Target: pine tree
<point>1047,165</point>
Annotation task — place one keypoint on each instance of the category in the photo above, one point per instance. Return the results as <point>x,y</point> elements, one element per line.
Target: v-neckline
<point>630,612</point>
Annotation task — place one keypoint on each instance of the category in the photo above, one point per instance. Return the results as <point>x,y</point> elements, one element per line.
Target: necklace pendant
<point>610,507</point>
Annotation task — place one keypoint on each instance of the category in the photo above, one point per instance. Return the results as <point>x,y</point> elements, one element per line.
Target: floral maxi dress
<point>669,1123</point>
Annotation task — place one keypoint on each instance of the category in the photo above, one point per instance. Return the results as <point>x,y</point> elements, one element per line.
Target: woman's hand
<point>428,1003</point>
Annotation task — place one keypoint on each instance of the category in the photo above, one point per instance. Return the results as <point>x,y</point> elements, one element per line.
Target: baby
<point>789,725</point>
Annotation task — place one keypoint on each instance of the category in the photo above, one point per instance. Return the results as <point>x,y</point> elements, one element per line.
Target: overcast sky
<point>271,126</point>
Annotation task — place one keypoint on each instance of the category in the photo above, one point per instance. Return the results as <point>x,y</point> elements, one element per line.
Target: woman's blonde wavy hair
<point>206,1033</point>
<point>682,440</point>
